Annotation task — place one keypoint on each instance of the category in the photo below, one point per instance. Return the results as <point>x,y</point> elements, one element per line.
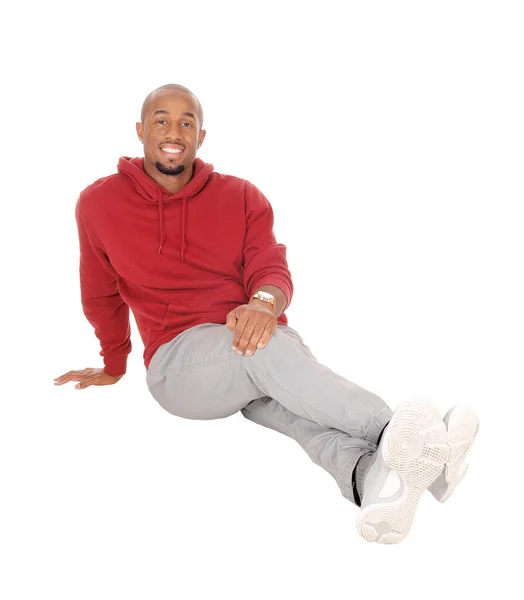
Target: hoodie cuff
<point>115,365</point>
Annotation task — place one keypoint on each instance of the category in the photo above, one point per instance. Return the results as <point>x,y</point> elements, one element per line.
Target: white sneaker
<point>462,424</point>
<point>412,453</point>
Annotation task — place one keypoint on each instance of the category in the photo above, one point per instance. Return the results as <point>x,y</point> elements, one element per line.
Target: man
<point>192,253</point>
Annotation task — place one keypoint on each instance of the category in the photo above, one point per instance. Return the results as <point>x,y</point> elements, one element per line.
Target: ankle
<point>359,474</point>
<point>382,433</point>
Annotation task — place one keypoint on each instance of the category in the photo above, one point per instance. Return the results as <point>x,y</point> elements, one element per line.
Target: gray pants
<point>198,375</point>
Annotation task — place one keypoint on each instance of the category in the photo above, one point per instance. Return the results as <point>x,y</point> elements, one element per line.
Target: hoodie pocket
<point>189,303</point>
<point>180,312</point>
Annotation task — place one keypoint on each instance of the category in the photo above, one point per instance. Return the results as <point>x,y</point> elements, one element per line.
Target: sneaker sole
<point>462,425</point>
<point>415,448</point>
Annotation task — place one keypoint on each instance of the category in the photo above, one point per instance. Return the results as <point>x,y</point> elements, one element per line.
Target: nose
<point>175,131</point>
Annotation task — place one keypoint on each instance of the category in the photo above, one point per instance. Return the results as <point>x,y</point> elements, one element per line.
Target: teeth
<point>172,150</point>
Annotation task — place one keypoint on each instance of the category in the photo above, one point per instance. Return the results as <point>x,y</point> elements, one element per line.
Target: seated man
<point>193,254</point>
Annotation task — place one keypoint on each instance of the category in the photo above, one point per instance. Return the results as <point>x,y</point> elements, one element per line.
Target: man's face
<point>170,131</point>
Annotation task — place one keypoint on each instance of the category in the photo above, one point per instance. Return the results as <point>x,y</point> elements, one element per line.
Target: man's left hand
<point>252,326</point>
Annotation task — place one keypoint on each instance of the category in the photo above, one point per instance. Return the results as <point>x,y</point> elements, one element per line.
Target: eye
<point>186,123</point>
<point>161,121</point>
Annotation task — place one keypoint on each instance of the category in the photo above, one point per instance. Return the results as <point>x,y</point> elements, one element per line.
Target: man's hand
<point>88,377</point>
<point>252,325</point>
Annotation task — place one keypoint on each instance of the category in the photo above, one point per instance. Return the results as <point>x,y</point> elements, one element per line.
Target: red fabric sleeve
<point>264,259</point>
<point>101,302</point>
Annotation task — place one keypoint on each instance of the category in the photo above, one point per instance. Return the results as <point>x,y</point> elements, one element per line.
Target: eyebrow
<point>166,112</point>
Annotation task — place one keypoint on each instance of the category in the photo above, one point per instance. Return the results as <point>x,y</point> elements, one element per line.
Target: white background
<point>388,137</point>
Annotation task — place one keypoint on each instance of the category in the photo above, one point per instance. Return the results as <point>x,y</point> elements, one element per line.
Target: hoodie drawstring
<point>183,244</point>
<point>161,220</point>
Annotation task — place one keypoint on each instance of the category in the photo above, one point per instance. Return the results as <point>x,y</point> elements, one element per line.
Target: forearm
<point>280,296</point>
<point>101,301</point>
<point>109,318</point>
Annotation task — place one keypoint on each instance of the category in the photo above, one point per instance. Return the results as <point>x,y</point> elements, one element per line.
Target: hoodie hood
<point>150,191</point>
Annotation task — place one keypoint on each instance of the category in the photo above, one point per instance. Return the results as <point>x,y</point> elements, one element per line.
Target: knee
<point>192,413</point>
<point>191,408</point>
<point>179,402</point>
<point>163,391</point>
<point>280,349</point>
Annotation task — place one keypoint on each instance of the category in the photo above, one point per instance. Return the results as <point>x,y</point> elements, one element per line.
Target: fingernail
<point>260,345</point>
<point>234,347</point>
<point>239,352</point>
<point>250,352</point>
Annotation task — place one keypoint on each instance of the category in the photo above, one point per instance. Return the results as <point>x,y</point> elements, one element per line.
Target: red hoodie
<point>175,260</point>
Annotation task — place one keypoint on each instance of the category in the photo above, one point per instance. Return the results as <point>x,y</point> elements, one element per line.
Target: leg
<point>199,376</point>
<point>196,375</point>
<point>329,448</point>
<point>287,371</point>
<point>442,445</point>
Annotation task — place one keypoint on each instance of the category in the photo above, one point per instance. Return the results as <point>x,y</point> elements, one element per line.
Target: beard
<point>176,170</point>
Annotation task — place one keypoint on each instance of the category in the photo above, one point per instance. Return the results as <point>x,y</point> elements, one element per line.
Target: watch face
<point>266,296</point>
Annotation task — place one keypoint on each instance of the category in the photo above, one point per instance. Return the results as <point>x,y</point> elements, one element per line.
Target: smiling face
<point>171,133</point>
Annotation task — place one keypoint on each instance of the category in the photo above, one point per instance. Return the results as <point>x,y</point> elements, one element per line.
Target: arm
<point>265,264</point>
<point>101,301</point>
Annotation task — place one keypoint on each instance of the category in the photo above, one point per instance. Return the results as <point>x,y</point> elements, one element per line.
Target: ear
<point>201,137</point>
<point>140,131</point>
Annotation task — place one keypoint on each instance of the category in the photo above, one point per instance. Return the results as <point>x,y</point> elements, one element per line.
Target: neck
<point>171,183</point>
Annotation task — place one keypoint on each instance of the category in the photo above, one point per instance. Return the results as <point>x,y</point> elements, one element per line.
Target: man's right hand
<point>88,377</point>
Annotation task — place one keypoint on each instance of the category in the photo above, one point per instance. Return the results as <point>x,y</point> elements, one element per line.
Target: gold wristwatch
<point>265,297</point>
